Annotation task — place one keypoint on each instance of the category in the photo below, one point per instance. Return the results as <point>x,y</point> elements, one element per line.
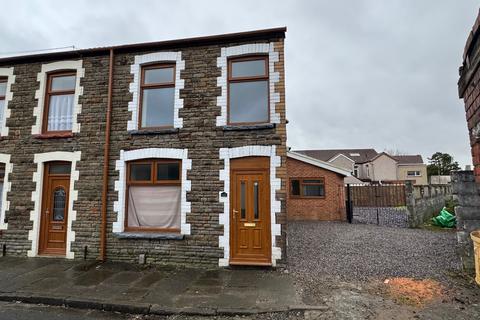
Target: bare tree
<point>395,152</point>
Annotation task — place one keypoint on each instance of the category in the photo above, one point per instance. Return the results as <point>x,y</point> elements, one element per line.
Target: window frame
<point>49,93</point>
<point>415,173</point>
<point>150,66</point>
<point>302,183</point>
<point>231,79</point>
<point>3,172</point>
<point>146,183</point>
<point>4,80</point>
<point>3,98</point>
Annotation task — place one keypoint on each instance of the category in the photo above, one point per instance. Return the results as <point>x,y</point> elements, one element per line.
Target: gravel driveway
<point>343,266</point>
<point>359,252</point>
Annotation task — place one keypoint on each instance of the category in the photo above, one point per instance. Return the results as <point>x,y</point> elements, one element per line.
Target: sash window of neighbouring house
<point>2,176</point>
<point>3,92</point>
<point>59,102</point>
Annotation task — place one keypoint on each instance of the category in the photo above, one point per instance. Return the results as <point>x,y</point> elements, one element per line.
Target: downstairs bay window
<point>153,195</point>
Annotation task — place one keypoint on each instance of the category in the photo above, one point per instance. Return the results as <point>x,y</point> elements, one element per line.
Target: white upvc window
<point>414,173</point>
<point>58,98</point>
<point>6,80</point>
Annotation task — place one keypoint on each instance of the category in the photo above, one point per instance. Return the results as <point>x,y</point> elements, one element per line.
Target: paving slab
<point>158,290</point>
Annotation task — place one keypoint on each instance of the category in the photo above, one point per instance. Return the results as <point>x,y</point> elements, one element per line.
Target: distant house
<point>411,167</point>
<point>316,189</point>
<point>370,166</point>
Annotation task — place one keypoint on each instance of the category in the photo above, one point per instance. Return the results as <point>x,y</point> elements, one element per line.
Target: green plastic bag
<point>445,219</point>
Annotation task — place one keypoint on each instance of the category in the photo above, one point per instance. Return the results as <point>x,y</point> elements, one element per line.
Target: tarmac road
<point>21,311</point>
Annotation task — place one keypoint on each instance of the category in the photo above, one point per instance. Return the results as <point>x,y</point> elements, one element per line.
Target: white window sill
<point>240,127</point>
<point>149,235</point>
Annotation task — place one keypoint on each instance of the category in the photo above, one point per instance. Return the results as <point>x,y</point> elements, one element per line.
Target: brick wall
<point>328,209</point>
<point>464,189</point>
<point>199,134</point>
<point>469,91</point>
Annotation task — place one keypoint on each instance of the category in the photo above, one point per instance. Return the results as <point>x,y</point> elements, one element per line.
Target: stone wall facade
<point>469,91</point>
<point>196,131</point>
<point>331,208</point>
<point>466,193</point>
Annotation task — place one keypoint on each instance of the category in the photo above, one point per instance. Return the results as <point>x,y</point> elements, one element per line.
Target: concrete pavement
<point>145,290</point>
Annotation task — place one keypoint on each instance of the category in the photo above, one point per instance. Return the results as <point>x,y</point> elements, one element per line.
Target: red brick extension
<point>330,208</point>
<point>469,90</point>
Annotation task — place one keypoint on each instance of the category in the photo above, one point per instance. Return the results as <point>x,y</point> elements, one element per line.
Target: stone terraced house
<point>165,152</point>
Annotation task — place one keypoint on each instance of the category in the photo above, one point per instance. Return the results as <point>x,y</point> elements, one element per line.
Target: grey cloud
<point>360,73</point>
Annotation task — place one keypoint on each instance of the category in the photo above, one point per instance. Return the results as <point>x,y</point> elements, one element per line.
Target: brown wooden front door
<point>54,215</point>
<point>250,234</point>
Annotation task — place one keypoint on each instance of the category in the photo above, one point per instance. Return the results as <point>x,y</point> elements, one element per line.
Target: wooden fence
<point>391,195</point>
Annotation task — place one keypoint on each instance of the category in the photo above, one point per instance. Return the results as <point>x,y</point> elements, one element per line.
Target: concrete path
<point>145,290</point>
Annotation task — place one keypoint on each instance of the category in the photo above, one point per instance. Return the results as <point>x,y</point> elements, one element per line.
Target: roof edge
<point>382,154</point>
<point>338,155</point>
<point>193,41</point>
<point>318,163</point>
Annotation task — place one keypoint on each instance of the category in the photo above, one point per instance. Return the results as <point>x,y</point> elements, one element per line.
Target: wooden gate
<point>377,204</point>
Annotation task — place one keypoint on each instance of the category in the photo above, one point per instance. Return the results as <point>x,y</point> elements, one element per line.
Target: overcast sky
<point>359,73</point>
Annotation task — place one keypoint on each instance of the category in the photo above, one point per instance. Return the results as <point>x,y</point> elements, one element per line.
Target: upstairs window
<point>3,93</point>
<point>355,171</point>
<point>414,173</point>
<point>157,96</point>
<point>153,195</point>
<point>248,90</point>
<point>59,102</point>
<point>307,188</point>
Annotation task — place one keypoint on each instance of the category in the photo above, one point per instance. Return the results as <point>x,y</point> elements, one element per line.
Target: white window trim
<point>415,173</point>
<point>341,155</point>
<point>274,77</point>
<point>6,72</point>
<point>136,69</point>
<point>7,187</point>
<point>40,93</point>
<point>275,184</point>
<point>40,159</point>
<point>161,153</point>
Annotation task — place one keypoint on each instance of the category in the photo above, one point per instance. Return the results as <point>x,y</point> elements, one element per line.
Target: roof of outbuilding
<point>357,155</point>
<point>319,163</point>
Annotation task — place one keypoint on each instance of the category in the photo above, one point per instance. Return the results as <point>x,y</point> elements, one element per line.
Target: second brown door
<point>250,212</point>
<point>54,214</point>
